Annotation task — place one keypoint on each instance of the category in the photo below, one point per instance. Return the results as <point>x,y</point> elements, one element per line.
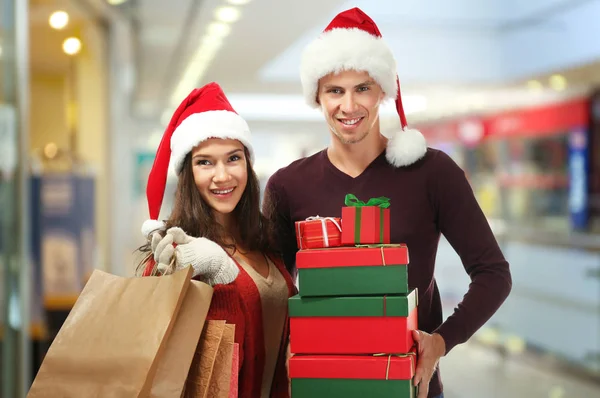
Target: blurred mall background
<point>508,88</point>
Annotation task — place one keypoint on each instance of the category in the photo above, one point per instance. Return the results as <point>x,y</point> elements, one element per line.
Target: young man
<point>347,72</point>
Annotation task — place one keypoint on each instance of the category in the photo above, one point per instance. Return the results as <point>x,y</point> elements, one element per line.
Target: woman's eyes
<point>204,162</point>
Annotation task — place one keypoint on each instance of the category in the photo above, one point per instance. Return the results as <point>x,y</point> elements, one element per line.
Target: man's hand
<point>430,348</point>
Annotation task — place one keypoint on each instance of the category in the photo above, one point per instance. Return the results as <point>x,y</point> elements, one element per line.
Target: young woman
<point>217,227</point>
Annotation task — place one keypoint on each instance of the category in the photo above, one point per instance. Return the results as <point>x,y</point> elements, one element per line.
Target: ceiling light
<point>115,2</point>
<point>558,82</point>
<point>515,345</point>
<point>58,20</point>
<point>534,85</point>
<point>227,14</point>
<point>0,51</point>
<point>238,2</point>
<point>218,29</point>
<point>50,150</point>
<point>211,44</point>
<point>72,45</point>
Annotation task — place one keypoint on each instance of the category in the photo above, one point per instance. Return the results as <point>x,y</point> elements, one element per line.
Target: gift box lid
<point>369,255</point>
<point>388,305</point>
<point>374,367</point>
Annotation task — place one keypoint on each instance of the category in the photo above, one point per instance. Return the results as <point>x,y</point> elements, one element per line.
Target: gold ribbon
<point>387,370</point>
<point>380,246</point>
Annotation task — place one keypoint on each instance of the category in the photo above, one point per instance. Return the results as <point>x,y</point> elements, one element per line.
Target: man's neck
<point>353,159</point>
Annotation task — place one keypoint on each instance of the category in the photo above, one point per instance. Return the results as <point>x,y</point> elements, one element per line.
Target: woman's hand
<point>210,262</point>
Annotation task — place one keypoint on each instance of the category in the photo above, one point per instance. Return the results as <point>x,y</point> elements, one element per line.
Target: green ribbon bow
<point>382,202</point>
<point>352,200</point>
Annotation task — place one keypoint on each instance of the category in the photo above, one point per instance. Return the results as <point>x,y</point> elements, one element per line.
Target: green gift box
<point>341,376</point>
<point>353,271</point>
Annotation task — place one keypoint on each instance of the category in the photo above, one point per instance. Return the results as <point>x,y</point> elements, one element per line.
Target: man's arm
<point>276,210</point>
<point>464,225</point>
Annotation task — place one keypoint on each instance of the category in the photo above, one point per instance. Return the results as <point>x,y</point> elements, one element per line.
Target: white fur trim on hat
<point>347,49</point>
<point>406,147</point>
<point>199,127</point>
<point>150,226</point>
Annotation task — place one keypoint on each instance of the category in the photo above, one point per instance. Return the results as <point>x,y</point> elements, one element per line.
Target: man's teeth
<point>350,121</point>
<point>223,192</point>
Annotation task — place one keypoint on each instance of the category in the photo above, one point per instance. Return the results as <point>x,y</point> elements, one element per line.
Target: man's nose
<point>348,103</point>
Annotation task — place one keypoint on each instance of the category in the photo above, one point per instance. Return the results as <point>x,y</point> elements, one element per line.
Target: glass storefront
<point>14,264</point>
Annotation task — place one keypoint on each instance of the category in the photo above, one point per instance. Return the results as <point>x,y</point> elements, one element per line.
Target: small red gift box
<point>318,232</point>
<point>365,223</point>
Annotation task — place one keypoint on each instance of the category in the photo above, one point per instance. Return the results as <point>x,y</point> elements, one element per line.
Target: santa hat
<point>352,41</point>
<point>205,113</point>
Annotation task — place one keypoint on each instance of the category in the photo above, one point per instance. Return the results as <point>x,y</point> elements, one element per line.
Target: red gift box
<point>373,367</point>
<point>318,232</point>
<point>363,223</point>
<point>352,325</point>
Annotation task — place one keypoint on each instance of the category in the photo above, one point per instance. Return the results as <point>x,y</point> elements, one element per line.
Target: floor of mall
<point>474,370</point>
<point>509,90</point>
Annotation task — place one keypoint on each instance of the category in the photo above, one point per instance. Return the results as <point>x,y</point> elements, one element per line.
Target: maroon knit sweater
<point>428,198</point>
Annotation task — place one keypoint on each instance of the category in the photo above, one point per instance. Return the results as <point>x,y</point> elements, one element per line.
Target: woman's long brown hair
<point>192,214</point>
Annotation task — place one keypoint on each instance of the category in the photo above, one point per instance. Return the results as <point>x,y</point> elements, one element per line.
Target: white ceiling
<point>456,55</point>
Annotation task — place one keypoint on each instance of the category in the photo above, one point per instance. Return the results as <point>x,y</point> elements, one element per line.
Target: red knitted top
<point>239,303</point>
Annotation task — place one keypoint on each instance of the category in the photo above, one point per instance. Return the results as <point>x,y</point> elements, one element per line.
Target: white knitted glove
<point>210,262</point>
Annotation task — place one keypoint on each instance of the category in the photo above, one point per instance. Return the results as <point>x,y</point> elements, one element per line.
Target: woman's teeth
<point>222,191</point>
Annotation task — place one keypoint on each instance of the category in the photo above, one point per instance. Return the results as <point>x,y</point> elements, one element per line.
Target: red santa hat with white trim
<point>205,113</point>
<point>352,41</point>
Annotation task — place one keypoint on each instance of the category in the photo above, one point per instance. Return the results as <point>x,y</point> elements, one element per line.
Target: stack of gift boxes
<point>351,323</point>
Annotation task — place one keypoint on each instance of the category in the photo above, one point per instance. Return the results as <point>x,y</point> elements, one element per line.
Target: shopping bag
<point>235,372</point>
<point>110,343</point>
<point>174,364</point>
<point>220,380</point>
<point>211,370</point>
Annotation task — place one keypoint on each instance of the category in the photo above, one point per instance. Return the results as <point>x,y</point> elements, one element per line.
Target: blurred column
<point>14,177</point>
<point>124,235</point>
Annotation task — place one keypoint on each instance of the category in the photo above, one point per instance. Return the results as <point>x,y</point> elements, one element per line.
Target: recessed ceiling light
<point>238,2</point>
<point>534,85</point>
<point>115,2</point>
<point>227,14</point>
<point>58,20</point>
<point>72,45</point>
<point>218,29</point>
<point>50,150</point>
<point>558,82</point>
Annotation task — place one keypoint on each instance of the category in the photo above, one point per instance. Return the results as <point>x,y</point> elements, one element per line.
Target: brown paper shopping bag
<point>220,380</point>
<point>110,343</point>
<point>210,373</point>
<point>174,365</point>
